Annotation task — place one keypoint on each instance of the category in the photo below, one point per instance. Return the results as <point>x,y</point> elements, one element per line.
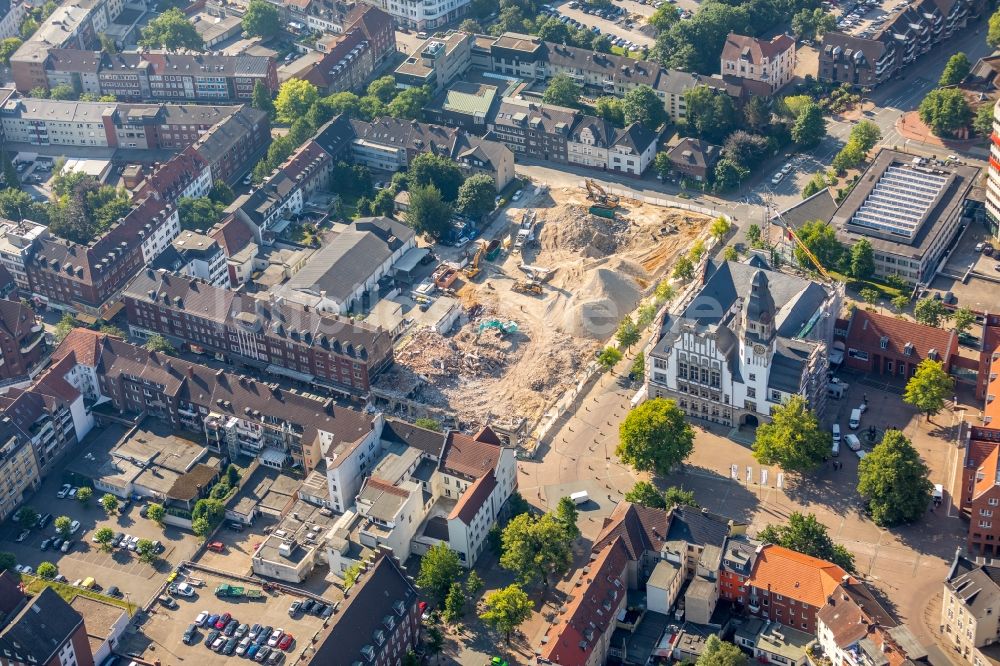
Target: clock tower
<point>757,325</point>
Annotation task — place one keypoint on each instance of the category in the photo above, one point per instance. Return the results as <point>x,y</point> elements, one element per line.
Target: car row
<point>785,170</point>
<point>310,607</point>
<point>228,636</point>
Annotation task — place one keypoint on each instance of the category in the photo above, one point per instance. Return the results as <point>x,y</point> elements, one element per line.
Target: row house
<point>235,415</point>
<point>232,146</point>
<point>908,33</point>
<point>980,491</point>
<point>19,473</point>
<point>878,344</point>
<point>195,255</point>
<point>770,62</point>
<point>22,340</point>
<point>280,337</point>
<point>350,58</point>
<point>969,621</point>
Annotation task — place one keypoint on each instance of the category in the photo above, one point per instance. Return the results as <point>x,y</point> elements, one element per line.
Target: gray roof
<point>336,135</point>
<point>694,152</point>
<point>351,257</point>
<point>977,586</point>
<point>548,118</point>
<point>790,358</point>
<point>428,441</point>
<point>694,526</point>
<point>217,143</point>
<point>820,206</point>
<point>41,627</point>
<point>52,110</point>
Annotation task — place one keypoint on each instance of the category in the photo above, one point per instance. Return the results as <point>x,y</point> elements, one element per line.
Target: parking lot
<point>616,28</point>
<point>120,567</point>
<point>163,629</point>
<point>979,291</point>
<point>35,174</point>
<point>864,18</point>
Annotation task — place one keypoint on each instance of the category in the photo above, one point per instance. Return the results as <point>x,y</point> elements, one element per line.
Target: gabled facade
<point>770,62</point>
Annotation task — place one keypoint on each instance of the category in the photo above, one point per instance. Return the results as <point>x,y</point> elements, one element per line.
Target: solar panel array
<point>900,200</point>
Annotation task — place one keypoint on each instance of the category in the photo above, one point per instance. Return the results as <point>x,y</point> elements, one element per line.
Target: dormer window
<point>884,342</point>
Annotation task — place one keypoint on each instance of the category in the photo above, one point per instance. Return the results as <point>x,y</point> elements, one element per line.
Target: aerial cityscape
<point>496,332</point>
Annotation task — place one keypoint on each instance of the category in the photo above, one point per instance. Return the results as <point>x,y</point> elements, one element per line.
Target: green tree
<point>562,91</point>
<point>869,295</point>
<point>428,212</point>
<point>384,88</point>
<point>900,302</point>
<point>62,92</point>
<point>261,18</point>
<point>720,227</point>
<point>929,387</point>
<point>7,561</point>
<point>718,652</point>
<point>146,551</point>
<point>476,196</point>
<point>810,126</point>
<point>158,343</point>
<point>730,254</point>
<point>26,518</point>
<point>862,260</point>
<point>709,114</point>
<point>894,481</point>
<point>64,327</point>
<point>806,535</point>
<point>983,122</point>
<point>47,570</point>
<point>454,604</point>
<point>295,96</point>
<point>536,548</point>
<point>793,439</point>
<point>674,496</point>
<point>221,192</point>
<point>474,584</point>
<point>156,512</point>
<point>641,105</point>
<point>816,184</point>
<point>506,609</point>
<point>233,475</point>
<point>86,492</point>
<point>429,424</point>
<point>655,437</point>
<point>962,320</point>
<point>437,170</point>
<point>171,30</point>
<point>638,368</point>
<point>793,105</point>
<point>611,109</point>
<point>728,175</point>
<point>351,575</point>
<point>433,640</point>
<point>110,504</point>
<point>993,32</point>
<point>821,239</point>
<point>746,149</point>
<point>663,293</point>
<point>930,311</point>
<point>201,527</point>
<point>62,525</point>
<point>627,333</point>
<point>439,569</point>
<point>850,156</point>
<point>104,536</point>
<point>609,358</point>
<point>7,48</point>
<point>664,17</point>
<point>409,104</point>
<point>261,99</point>
<point>945,111</point>
<point>866,134</point>
<point>683,268</point>
<point>199,214</point>
<point>212,510</point>
<point>567,514</point>
<point>646,494</point>
<point>956,70</point>
<point>754,237</point>
<point>471,26</point>
<point>28,28</point>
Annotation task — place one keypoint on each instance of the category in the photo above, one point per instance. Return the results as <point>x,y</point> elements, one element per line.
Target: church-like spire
<point>758,315</point>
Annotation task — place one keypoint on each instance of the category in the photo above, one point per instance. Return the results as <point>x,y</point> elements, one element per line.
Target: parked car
<point>231,627</point>
<point>183,589</point>
<point>252,651</point>
<point>264,634</point>
<point>294,608</point>
<point>212,619</point>
<point>113,591</point>
<point>254,631</point>
<point>72,493</point>
<point>275,637</point>
<point>211,638</point>
<point>853,443</point>
<point>202,617</point>
<point>167,601</point>
<point>777,178</point>
<point>45,544</point>
<point>275,658</point>
<point>327,611</point>
<point>66,487</point>
<point>67,545</point>
<point>230,646</point>
<point>286,642</point>
<point>23,535</point>
<point>242,630</point>
<point>307,605</point>
<point>219,643</point>
<point>189,634</point>
<point>223,620</point>
<point>262,654</point>
<point>56,542</point>
<point>74,527</point>
<point>243,647</point>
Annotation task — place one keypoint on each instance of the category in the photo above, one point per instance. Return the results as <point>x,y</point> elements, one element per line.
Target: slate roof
<point>640,528</point>
<point>350,258</point>
<point>219,141</point>
<point>364,611</point>
<point>808,580</point>
<point>40,628</point>
<point>428,441</point>
<point>697,527</point>
<point>74,60</point>
<point>976,585</point>
<point>820,206</point>
<point>696,153</point>
<point>336,135</point>
<point>589,614</point>
<point>755,50</point>
<point>473,498</point>
<point>470,456</point>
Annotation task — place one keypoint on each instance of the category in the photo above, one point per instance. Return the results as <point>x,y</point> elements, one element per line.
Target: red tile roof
<point>474,497</point>
<point>232,235</point>
<point>469,456</point>
<point>386,487</point>
<point>82,343</point>
<point>590,612</point>
<point>756,49</point>
<point>806,579</point>
<point>867,329</point>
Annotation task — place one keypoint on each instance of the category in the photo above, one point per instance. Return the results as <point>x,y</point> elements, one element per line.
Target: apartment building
<point>379,620</point>
<point>437,62</point>
<point>733,354</point>
<point>350,58</point>
<point>236,415</point>
<point>153,75</point>
<point>19,473</point>
<point>878,344</point>
<point>12,13</point>
<point>17,244</point>
<point>424,14</point>
<point>993,175</point>
<point>528,57</point>
<point>22,340</point>
<point>272,335</point>
<point>969,621</point>
<point>44,630</point>
<point>770,62</point>
<point>388,144</point>
<point>235,144</point>
<point>908,33</point>
<point>910,209</point>
<point>980,495</point>
<point>196,256</point>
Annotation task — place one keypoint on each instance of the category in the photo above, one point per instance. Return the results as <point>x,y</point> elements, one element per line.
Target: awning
<point>293,374</point>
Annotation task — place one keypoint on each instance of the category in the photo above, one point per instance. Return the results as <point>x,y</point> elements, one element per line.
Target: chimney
<point>191,372</point>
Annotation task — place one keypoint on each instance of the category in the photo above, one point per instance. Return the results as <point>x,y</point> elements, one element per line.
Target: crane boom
<point>798,241</point>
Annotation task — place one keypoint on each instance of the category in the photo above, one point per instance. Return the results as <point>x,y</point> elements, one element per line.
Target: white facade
<point>166,227</point>
<point>348,464</point>
<point>993,180</point>
<point>469,539</point>
<point>625,160</point>
<point>10,23</point>
<point>421,14</point>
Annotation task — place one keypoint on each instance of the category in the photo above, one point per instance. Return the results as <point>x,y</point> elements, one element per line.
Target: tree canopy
<point>295,97</point>
<point>506,609</point>
<point>794,439</point>
<point>655,436</point>
<point>945,111</point>
<point>929,387</point>
<point>894,481</point>
<point>437,170</point>
<point>803,533</point>
<point>709,114</point>
<point>810,126</point>
<point>439,569</point>
<point>476,196</point>
<point>171,30</point>
<point>261,18</point>
<point>641,105</point>
<point>200,213</point>
<point>562,91</point>
<point>428,213</point>
<point>955,70</point>
<point>862,259</point>
<point>718,652</point>
<point>8,47</point>
<point>821,239</point>
<point>930,311</point>
<point>536,548</point>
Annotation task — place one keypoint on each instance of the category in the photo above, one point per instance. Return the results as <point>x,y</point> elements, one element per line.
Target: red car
<point>286,642</point>
<point>223,621</point>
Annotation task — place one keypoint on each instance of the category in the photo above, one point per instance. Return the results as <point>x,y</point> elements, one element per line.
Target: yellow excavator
<point>472,271</point>
<point>599,196</point>
<point>529,287</point>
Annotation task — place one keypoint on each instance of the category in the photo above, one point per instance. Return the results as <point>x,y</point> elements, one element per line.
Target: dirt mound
<point>596,308</point>
<point>575,230</point>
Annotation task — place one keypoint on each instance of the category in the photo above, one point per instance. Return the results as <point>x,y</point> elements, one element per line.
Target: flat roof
<point>306,525</point>
<point>268,488</point>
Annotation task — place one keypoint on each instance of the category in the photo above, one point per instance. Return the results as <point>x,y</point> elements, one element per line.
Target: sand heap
<point>572,229</point>
<point>605,297</point>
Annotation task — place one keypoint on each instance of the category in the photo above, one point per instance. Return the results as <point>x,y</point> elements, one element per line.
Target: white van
<point>855,421</point>
<point>835,450</point>
<point>853,443</point>
<point>580,498</point>
<point>938,494</point>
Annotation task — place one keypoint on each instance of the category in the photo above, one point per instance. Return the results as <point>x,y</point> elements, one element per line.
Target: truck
<point>216,547</point>
<point>252,594</point>
<point>225,590</point>
<point>600,211</point>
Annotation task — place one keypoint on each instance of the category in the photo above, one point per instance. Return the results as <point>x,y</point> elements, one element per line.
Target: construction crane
<point>597,194</point>
<point>790,233</point>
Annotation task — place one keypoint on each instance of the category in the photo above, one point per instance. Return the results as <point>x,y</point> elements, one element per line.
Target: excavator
<point>472,271</point>
<point>599,196</point>
<point>529,287</point>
